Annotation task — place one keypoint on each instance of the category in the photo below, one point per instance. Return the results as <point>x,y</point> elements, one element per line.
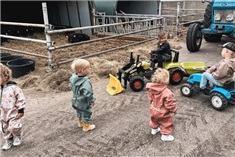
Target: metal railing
<point>140,25</point>
<point>128,23</point>
<point>181,14</point>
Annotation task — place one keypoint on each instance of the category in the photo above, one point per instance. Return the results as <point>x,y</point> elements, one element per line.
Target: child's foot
<point>167,138</point>
<point>155,131</point>
<point>17,140</point>
<point>87,127</point>
<point>8,144</point>
<point>79,123</point>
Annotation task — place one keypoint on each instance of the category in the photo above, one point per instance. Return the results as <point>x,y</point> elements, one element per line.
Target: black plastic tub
<point>4,54</point>
<point>6,59</point>
<point>21,67</point>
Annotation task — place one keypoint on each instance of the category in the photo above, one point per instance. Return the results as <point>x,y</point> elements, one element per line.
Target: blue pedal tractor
<point>220,97</point>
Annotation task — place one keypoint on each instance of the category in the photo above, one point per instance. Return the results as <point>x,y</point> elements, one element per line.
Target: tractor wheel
<point>218,101</point>
<point>194,37</point>
<point>186,90</point>
<point>176,76</point>
<point>137,83</point>
<point>207,16</point>
<point>207,22</point>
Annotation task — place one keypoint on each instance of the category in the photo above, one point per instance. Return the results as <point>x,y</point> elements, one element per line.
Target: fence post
<point>177,17</point>
<point>160,8</point>
<point>48,37</point>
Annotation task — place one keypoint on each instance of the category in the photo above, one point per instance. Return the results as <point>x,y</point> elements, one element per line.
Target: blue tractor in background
<point>219,19</point>
<point>220,97</point>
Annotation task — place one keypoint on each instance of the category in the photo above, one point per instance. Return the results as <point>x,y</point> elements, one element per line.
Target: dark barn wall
<point>60,13</point>
<point>22,11</point>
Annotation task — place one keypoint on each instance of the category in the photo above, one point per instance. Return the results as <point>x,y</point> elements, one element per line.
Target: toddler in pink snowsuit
<point>162,105</point>
<point>12,104</point>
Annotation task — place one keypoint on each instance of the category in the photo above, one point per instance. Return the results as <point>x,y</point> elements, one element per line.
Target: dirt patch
<point>122,121</point>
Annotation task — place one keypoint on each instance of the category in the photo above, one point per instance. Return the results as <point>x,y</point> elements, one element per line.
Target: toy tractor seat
<point>229,85</point>
<point>174,59</point>
<point>176,56</point>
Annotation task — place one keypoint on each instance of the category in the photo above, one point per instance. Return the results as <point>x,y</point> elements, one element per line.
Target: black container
<point>6,59</point>
<point>3,54</point>
<point>21,67</point>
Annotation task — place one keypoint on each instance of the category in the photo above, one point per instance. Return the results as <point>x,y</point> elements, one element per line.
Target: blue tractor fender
<point>222,91</point>
<point>195,78</point>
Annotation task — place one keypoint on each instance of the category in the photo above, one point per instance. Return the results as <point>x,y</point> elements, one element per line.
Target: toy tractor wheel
<point>218,101</point>
<point>194,37</point>
<point>186,90</point>
<point>176,76</point>
<point>137,83</point>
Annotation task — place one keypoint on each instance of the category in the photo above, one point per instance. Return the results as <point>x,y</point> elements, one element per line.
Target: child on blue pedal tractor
<point>220,75</point>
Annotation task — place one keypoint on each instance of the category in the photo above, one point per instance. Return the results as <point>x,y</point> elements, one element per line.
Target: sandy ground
<point>122,122</point>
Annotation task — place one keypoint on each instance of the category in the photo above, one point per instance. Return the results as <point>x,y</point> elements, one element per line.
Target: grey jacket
<point>82,92</point>
<point>223,71</point>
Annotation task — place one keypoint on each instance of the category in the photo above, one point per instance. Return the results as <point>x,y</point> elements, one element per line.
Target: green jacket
<point>82,92</point>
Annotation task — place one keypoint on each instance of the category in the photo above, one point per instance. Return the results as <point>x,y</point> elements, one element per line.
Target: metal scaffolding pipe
<point>96,26</point>
<point>22,24</point>
<point>105,51</point>
<point>183,23</point>
<point>104,38</point>
<point>22,38</point>
<point>48,37</point>
<point>23,52</point>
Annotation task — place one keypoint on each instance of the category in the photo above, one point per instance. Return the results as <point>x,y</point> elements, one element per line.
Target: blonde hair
<point>161,35</point>
<point>79,65</point>
<point>5,72</point>
<point>161,76</point>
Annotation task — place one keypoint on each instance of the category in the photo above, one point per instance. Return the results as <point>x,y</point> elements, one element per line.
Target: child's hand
<point>92,104</point>
<point>19,115</point>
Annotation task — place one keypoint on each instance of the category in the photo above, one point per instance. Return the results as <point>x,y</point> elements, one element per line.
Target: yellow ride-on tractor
<point>136,71</point>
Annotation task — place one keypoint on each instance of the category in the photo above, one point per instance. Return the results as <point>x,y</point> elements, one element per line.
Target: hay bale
<point>56,81</point>
<point>29,81</point>
<point>103,67</point>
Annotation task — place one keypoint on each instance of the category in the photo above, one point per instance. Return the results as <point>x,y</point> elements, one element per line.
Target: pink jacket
<point>12,100</point>
<point>161,98</point>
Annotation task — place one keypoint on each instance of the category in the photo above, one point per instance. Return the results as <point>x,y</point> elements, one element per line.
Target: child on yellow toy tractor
<point>136,71</point>
<point>163,53</point>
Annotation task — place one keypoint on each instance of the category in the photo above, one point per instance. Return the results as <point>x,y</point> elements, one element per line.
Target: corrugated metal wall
<point>109,7</point>
<point>70,13</point>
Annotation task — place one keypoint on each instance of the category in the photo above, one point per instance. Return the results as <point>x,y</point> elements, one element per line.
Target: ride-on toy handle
<point>114,87</point>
